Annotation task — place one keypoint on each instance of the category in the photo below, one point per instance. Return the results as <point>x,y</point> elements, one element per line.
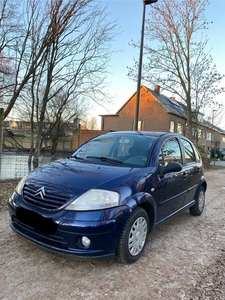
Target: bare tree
<point>90,123</point>
<point>60,115</point>
<point>64,49</point>
<point>16,47</point>
<point>8,13</point>
<point>179,61</point>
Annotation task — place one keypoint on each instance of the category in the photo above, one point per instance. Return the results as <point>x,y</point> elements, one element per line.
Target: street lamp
<point>145,2</point>
<point>214,150</point>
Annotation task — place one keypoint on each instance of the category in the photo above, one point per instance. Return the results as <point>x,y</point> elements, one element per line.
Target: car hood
<point>75,174</point>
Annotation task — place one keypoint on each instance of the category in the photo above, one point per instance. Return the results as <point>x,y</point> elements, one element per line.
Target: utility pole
<point>214,149</point>
<point>136,113</point>
<point>1,129</point>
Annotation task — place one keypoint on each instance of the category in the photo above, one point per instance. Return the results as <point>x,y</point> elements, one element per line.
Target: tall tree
<point>177,57</point>
<point>60,114</point>
<point>64,48</point>
<point>9,29</point>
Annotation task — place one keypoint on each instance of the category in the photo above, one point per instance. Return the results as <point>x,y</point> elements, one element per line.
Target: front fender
<point>146,201</point>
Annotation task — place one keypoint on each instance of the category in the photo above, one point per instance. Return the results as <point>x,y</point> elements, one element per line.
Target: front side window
<point>170,152</point>
<point>189,152</point>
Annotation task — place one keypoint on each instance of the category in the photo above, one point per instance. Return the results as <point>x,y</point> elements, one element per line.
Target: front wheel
<point>133,237</point>
<point>197,209</point>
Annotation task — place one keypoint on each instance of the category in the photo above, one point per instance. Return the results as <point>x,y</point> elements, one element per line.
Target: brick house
<point>157,112</point>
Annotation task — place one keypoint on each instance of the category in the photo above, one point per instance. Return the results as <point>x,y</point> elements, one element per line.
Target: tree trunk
<point>38,144</point>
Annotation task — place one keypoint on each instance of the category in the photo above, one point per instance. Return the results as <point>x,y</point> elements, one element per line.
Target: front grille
<point>45,197</point>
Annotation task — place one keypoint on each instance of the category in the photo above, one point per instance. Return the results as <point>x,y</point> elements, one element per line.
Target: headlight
<point>95,199</point>
<point>20,185</point>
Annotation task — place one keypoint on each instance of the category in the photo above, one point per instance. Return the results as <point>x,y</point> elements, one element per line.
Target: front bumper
<point>62,231</point>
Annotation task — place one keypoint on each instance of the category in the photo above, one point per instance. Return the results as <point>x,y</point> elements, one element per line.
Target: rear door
<point>193,168</point>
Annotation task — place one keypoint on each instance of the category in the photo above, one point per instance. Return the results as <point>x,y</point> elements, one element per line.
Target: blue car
<point>105,198</point>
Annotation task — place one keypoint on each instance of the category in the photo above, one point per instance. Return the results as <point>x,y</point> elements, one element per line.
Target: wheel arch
<point>147,202</point>
<point>148,207</point>
<point>203,184</point>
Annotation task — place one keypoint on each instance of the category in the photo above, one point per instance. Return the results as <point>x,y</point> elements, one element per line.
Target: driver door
<point>173,186</point>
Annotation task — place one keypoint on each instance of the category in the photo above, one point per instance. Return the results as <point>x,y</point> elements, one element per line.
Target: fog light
<point>12,200</point>
<point>85,242</point>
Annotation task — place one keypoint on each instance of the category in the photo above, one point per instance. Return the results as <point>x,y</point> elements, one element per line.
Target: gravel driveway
<point>184,259</point>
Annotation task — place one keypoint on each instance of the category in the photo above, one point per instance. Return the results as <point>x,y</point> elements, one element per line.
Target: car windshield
<point>124,150</point>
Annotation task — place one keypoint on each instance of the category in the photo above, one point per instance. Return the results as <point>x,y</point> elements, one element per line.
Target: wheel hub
<point>137,236</point>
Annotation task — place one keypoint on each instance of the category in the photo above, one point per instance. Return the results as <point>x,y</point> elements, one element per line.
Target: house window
<point>208,136</point>
<point>201,134</point>
<point>200,118</point>
<point>171,126</point>
<point>179,128</point>
<point>140,125</point>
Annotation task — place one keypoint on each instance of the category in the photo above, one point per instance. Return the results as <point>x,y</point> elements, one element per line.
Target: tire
<point>197,209</point>
<point>133,237</point>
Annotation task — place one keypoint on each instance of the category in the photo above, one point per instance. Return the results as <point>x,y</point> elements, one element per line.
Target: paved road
<point>218,163</point>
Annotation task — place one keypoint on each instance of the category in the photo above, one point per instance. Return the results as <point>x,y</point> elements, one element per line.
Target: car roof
<point>156,134</point>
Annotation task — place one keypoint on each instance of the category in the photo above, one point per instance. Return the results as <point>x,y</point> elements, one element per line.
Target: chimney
<point>157,89</point>
<point>172,98</point>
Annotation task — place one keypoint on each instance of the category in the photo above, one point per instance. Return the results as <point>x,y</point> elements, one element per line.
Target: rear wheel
<point>198,208</point>
<point>134,236</point>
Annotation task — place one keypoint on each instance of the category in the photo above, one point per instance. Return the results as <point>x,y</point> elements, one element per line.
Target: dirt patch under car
<point>184,259</point>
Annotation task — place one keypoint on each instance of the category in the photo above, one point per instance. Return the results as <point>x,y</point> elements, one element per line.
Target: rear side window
<point>189,152</point>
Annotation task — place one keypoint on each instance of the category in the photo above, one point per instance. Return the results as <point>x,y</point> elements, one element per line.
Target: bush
<point>206,160</point>
<point>215,153</point>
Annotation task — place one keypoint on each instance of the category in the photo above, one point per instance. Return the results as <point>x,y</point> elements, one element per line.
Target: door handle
<point>185,174</point>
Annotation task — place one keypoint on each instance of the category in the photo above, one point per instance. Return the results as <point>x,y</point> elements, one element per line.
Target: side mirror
<point>171,167</point>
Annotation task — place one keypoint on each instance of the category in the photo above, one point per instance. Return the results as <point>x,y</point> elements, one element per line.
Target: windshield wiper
<point>104,158</point>
<point>77,157</point>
